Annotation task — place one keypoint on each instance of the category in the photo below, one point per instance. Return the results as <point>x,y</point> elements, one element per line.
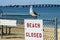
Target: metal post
<point>56,33</point>
<point>2,25</point>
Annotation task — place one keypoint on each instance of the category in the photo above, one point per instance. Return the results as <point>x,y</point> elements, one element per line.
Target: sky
<point>27,2</point>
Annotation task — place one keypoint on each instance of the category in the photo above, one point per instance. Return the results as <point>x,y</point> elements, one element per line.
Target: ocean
<point>45,13</point>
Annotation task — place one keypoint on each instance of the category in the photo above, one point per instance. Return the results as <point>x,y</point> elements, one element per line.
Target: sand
<point>58,33</point>
<point>18,33</point>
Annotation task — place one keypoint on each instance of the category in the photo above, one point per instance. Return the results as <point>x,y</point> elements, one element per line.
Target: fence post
<point>2,32</point>
<point>6,30</point>
<point>55,30</point>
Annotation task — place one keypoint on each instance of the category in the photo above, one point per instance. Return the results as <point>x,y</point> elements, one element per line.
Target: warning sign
<point>33,29</point>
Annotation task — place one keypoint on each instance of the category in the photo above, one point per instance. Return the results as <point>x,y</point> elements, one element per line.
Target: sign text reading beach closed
<point>33,29</point>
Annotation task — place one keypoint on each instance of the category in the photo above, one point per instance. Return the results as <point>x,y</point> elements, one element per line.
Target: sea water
<point>45,13</point>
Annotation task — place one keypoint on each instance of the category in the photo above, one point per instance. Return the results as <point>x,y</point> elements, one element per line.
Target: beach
<point>17,33</point>
<point>58,33</point>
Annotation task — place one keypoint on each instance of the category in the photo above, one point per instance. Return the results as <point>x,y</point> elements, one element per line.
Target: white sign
<point>7,22</point>
<point>33,29</point>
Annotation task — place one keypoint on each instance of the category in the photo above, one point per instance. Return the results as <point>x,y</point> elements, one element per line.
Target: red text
<point>36,35</point>
<point>33,25</point>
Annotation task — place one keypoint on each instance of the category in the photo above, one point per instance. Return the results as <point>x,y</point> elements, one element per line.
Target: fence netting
<point>18,31</point>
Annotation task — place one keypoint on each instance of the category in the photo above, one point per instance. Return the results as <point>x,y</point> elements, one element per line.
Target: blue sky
<point>27,2</point>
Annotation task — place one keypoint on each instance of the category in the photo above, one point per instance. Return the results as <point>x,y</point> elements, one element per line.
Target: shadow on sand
<point>12,36</point>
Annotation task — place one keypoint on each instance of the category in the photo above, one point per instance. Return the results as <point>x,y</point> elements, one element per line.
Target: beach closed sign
<point>33,29</point>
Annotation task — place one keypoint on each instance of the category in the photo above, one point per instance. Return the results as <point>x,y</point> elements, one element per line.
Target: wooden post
<point>6,29</point>
<point>2,32</point>
<point>9,30</point>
